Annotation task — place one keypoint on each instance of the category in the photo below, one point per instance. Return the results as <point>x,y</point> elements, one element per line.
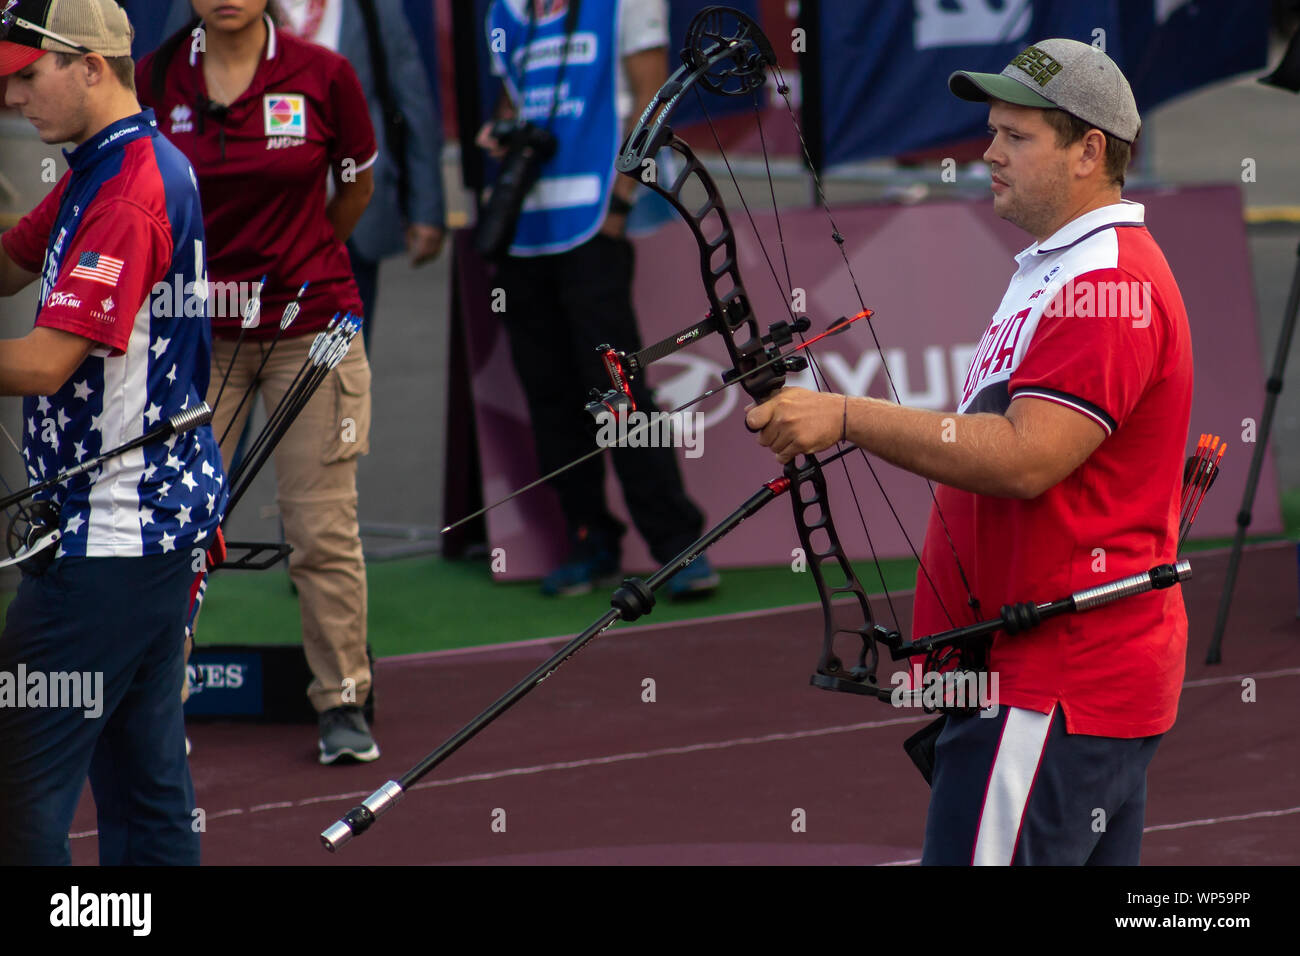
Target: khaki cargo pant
<point>316,480</point>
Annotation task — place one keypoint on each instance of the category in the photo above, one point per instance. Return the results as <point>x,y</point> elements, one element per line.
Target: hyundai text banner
<point>934,274</point>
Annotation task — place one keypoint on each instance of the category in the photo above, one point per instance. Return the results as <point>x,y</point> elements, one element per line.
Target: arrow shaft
<point>833,330</point>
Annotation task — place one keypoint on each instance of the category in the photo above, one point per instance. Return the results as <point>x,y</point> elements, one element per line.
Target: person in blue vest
<point>568,273</point>
<point>91,654</point>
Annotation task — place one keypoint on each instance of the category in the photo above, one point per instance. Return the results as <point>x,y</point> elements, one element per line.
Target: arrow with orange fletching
<point>1198,475</point>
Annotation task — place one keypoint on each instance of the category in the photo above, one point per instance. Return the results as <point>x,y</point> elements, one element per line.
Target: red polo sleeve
<point>26,242</point>
<point>1096,348</point>
<point>117,255</point>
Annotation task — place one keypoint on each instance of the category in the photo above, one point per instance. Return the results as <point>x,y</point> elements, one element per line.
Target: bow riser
<point>729,309</point>
<point>822,549</point>
<point>755,362</point>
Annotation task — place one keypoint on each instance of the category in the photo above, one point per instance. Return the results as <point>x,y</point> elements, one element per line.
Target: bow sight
<point>622,367</point>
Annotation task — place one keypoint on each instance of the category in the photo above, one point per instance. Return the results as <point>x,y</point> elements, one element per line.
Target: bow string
<point>726,53</point>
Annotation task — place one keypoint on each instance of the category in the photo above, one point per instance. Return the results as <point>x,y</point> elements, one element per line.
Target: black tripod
<point>1272,387</point>
<point>1286,77</point>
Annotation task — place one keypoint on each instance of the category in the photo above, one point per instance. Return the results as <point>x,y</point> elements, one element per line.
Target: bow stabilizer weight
<point>634,598</point>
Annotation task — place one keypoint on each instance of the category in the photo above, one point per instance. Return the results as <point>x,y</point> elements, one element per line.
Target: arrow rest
<point>782,333</point>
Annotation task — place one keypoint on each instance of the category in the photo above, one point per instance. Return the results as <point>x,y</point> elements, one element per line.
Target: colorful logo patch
<point>285,114</point>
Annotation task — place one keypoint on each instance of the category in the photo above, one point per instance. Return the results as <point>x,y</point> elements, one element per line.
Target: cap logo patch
<point>1040,66</point>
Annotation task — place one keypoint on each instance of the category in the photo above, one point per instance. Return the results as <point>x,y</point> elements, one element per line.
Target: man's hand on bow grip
<point>795,421</point>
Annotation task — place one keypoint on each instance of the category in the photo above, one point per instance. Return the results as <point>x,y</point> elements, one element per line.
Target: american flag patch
<point>98,268</point>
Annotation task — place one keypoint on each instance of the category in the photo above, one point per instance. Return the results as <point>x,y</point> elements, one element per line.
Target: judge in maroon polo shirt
<point>267,120</point>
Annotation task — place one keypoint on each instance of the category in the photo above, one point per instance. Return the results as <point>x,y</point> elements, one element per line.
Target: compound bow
<point>728,54</point>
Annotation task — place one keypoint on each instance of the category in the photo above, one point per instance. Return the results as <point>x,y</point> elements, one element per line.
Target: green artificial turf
<point>425,604</point>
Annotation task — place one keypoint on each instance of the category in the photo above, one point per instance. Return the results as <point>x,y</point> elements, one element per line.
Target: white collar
<point>270,40</point>
<point>1125,212</point>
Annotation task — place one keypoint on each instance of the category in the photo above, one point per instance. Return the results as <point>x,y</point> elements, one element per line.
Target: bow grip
<point>790,363</point>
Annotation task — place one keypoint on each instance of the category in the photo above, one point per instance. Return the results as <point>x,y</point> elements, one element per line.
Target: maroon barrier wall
<point>933,274</point>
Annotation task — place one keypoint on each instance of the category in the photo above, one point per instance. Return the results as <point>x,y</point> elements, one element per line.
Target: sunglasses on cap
<point>9,20</point>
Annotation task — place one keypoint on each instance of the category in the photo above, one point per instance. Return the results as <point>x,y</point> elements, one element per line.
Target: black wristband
<point>619,206</point>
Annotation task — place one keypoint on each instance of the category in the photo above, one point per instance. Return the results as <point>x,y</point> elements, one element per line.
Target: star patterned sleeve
<point>116,257</point>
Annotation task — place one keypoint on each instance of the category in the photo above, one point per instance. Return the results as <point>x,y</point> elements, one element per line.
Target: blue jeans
<point>108,633</point>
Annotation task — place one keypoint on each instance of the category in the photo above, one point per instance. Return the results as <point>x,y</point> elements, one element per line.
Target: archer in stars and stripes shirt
<point>118,244</point>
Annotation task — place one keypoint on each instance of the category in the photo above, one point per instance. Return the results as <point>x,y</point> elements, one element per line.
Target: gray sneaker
<point>343,733</point>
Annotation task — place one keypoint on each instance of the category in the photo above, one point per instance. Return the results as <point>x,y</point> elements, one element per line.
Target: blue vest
<point>568,204</point>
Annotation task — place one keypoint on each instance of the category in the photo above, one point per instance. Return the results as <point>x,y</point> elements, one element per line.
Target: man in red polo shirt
<point>1061,470</point>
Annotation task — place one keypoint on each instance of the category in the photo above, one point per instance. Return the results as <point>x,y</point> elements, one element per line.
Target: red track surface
<point>735,743</point>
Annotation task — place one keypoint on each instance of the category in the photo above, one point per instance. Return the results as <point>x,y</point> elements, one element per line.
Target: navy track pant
<point>1017,789</point>
<point>111,630</point>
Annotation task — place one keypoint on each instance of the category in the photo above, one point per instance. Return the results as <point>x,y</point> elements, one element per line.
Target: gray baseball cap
<point>1060,74</point>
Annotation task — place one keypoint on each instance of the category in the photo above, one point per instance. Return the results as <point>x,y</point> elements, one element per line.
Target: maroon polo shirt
<point>262,166</point>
